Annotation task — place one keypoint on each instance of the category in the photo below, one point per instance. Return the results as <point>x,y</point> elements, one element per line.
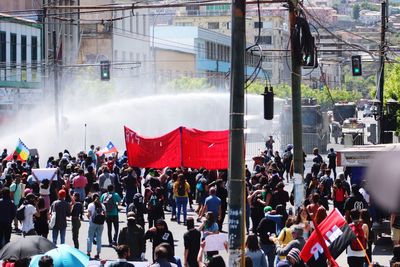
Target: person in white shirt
<point>30,204</point>
<point>364,192</point>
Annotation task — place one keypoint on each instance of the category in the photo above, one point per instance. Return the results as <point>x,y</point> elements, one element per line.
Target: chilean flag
<point>110,148</point>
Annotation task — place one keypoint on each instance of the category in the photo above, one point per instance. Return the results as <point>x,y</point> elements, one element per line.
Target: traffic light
<point>356,66</point>
<point>105,70</point>
<point>268,103</point>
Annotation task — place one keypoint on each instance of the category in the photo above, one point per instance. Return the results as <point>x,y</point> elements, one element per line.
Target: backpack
<point>181,189</point>
<point>109,202</point>
<point>99,216</point>
<point>20,214</point>
<point>199,186</point>
<point>355,245</point>
<point>153,201</point>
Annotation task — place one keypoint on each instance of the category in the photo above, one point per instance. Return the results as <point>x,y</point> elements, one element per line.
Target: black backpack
<point>99,216</point>
<point>181,189</point>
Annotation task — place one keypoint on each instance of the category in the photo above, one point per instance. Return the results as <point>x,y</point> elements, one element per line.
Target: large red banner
<point>157,152</point>
<point>208,149</point>
<point>182,147</point>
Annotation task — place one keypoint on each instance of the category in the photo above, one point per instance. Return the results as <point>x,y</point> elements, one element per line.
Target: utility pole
<point>296,108</point>
<point>381,72</point>
<point>236,136</point>
<point>55,62</point>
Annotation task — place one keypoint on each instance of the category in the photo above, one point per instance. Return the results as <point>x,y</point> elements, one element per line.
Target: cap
<point>131,216</point>
<point>24,174</point>
<point>27,191</point>
<point>294,253</point>
<point>62,193</point>
<point>267,208</point>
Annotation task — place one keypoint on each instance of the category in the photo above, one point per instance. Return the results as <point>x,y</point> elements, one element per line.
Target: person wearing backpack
<point>181,193</point>
<point>155,206</point>
<point>110,199</point>
<point>97,216</point>
<point>355,251</point>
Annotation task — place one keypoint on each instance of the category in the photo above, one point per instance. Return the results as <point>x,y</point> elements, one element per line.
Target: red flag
<point>208,149</point>
<point>157,152</point>
<point>336,234</point>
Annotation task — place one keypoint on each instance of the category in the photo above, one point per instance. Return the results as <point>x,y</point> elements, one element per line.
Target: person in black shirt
<point>222,193</point>
<point>76,213</point>
<point>355,201</point>
<point>332,161</point>
<point>160,234</point>
<point>8,210</point>
<point>191,240</point>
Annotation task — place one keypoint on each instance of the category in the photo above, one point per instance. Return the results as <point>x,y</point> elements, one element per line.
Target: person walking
<point>105,179</point>
<point>41,221</point>
<point>30,210</point>
<point>16,190</point>
<point>80,183</point>
<point>191,241</point>
<point>355,251</point>
<point>96,214</point>
<point>62,210</point>
<point>111,201</point>
<point>76,214</point>
<point>160,234</point>
<point>133,236</point>
<point>254,252</point>
<point>332,161</point>
<point>8,210</point>
<point>181,193</point>
<point>213,204</point>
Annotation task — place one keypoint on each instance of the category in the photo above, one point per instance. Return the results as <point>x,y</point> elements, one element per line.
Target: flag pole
<point>84,142</point>
<point>323,244</point>
<point>365,251</point>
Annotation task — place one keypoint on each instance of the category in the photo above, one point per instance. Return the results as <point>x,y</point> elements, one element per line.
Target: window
<point>144,24</point>
<point>264,40</point>
<point>192,10</point>
<point>3,50</point>
<point>213,25</point>
<point>258,24</point>
<point>137,22</point>
<point>34,57</point>
<point>23,58</point>
<point>13,49</point>
<point>228,25</point>
<point>123,20</point>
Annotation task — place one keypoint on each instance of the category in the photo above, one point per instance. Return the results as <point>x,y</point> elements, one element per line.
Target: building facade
<point>20,64</point>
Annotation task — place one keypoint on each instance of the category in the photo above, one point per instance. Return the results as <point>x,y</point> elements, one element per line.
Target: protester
<point>181,194</point>
<point>41,221</point>
<point>161,256</point>
<point>7,211</point>
<point>354,201</point>
<point>30,210</point>
<point>191,240</point>
<point>96,215</point>
<point>355,251</point>
<point>46,261</point>
<point>297,242</point>
<point>123,253</point>
<point>133,236</point>
<point>111,201</point>
<point>16,190</point>
<point>160,234</point>
<point>254,252</point>
<point>62,210</point>
<point>76,214</point>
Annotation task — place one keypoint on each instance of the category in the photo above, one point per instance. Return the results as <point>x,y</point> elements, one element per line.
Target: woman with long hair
<point>96,215</point>
<point>304,218</point>
<point>41,220</point>
<point>254,252</point>
<point>181,193</point>
<point>44,188</point>
<point>367,227</point>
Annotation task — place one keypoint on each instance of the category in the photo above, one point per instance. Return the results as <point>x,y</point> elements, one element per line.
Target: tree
<point>186,84</point>
<point>356,11</point>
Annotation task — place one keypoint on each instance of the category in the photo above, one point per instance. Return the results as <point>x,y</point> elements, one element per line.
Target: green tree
<point>186,84</point>
<point>356,11</point>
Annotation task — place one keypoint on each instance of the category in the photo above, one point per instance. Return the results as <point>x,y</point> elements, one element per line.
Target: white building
<point>20,64</point>
<point>369,17</point>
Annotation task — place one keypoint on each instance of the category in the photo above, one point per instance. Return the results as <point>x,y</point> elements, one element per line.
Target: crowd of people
<point>100,189</point>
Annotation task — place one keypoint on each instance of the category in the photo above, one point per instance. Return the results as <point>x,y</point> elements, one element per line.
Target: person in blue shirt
<point>279,216</point>
<point>212,203</point>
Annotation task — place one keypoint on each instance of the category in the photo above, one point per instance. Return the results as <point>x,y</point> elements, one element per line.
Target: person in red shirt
<point>79,184</point>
